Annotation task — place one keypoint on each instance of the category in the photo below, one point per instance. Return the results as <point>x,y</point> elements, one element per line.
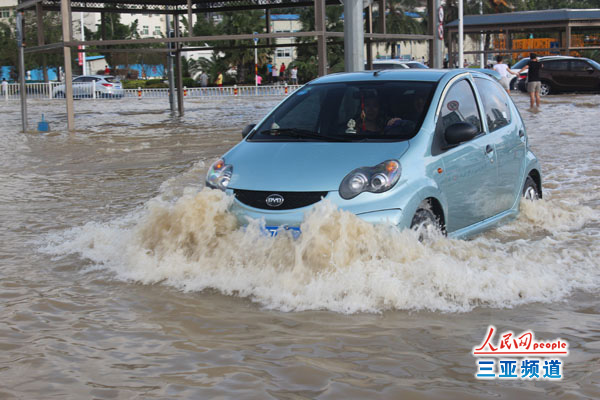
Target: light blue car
<point>446,148</point>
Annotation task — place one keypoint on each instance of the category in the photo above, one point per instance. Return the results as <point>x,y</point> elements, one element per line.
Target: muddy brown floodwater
<point>121,278</point>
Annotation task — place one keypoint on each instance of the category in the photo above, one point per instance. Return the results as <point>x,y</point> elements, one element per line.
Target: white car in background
<point>396,64</point>
<point>87,85</point>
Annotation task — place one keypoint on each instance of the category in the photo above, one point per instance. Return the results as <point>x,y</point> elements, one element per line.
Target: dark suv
<point>567,75</point>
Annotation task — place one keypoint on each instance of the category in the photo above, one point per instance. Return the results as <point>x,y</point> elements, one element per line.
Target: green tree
<point>212,67</point>
<point>398,22</point>
<point>8,42</point>
<point>230,52</point>
<point>307,60</point>
<point>235,23</point>
<point>113,29</point>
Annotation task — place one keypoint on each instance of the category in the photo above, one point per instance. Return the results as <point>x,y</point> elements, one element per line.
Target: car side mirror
<point>590,70</point>
<point>460,132</point>
<point>247,130</point>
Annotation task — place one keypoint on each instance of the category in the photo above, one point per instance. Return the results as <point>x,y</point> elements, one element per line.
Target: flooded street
<point>121,278</point>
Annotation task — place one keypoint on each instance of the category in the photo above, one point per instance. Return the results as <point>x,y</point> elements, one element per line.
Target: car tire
<point>530,190</point>
<point>545,89</point>
<point>513,84</point>
<point>60,95</point>
<point>98,95</point>
<point>425,222</point>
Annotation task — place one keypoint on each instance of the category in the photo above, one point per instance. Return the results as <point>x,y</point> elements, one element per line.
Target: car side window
<point>78,80</point>
<point>460,105</point>
<point>579,65</point>
<point>495,103</point>
<point>556,65</point>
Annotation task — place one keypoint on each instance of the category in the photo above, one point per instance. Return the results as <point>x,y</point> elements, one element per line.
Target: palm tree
<point>307,60</point>
<point>398,22</point>
<point>235,23</point>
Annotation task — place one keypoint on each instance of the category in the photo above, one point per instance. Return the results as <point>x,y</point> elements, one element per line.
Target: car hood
<point>303,166</point>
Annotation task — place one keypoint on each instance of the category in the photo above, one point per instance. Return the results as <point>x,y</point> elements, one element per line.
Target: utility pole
<point>461,54</point>
<point>20,37</point>
<point>481,39</point>
<point>354,36</point>
<point>83,47</point>
<point>255,61</point>
<point>170,71</point>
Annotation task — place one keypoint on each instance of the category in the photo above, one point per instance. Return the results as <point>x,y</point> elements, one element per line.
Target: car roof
<point>393,61</point>
<point>95,76</point>
<point>422,75</point>
<point>556,57</point>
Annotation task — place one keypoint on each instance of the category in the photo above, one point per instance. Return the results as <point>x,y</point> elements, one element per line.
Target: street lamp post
<point>255,60</point>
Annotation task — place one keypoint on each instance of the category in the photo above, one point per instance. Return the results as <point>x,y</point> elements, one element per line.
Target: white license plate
<point>274,230</point>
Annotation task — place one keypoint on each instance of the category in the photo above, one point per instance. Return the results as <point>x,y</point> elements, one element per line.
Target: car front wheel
<point>530,190</point>
<point>545,89</point>
<point>425,222</point>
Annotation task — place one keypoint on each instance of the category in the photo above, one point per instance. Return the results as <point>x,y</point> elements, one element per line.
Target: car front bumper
<point>370,207</point>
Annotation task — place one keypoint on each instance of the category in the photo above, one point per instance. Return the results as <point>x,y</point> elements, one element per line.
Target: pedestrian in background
<point>275,75</point>
<point>203,79</point>
<point>504,72</point>
<point>4,87</point>
<point>294,75</point>
<point>219,81</point>
<point>282,72</point>
<point>269,72</point>
<point>534,84</point>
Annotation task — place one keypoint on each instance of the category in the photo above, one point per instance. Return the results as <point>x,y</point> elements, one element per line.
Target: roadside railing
<point>56,90</point>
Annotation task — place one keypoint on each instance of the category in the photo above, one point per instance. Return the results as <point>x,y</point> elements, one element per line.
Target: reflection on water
<point>121,277</point>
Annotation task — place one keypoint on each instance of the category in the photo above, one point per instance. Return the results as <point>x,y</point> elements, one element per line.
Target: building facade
<point>285,23</point>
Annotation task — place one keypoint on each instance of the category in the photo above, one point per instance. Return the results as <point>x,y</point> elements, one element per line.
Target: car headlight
<point>219,175</point>
<point>377,179</point>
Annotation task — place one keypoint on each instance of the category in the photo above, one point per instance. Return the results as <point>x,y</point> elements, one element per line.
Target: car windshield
<point>389,65</point>
<point>594,63</point>
<point>352,111</point>
<point>520,64</point>
<point>417,65</point>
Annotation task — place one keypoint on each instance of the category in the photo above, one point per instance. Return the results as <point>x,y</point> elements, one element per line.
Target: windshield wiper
<point>303,134</point>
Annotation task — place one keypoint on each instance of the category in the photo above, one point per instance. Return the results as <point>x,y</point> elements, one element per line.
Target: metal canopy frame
<point>562,20</point>
<point>186,7</point>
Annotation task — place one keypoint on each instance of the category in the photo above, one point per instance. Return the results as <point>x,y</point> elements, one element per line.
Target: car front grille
<point>291,200</point>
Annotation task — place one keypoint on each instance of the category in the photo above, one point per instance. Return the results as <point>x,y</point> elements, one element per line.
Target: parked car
<point>566,74</point>
<point>516,68</point>
<point>86,85</point>
<point>396,64</point>
<point>514,83</point>
<point>444,148</point>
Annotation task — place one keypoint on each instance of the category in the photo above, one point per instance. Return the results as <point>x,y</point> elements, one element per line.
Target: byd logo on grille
<point>274,200</point>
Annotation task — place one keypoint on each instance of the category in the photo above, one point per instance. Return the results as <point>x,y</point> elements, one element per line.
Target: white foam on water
<point>341,263</point>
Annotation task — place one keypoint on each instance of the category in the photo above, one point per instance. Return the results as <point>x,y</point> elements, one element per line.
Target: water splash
<point>340,262</point>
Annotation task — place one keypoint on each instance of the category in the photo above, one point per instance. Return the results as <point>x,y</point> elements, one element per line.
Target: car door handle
<point>488,149</point>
